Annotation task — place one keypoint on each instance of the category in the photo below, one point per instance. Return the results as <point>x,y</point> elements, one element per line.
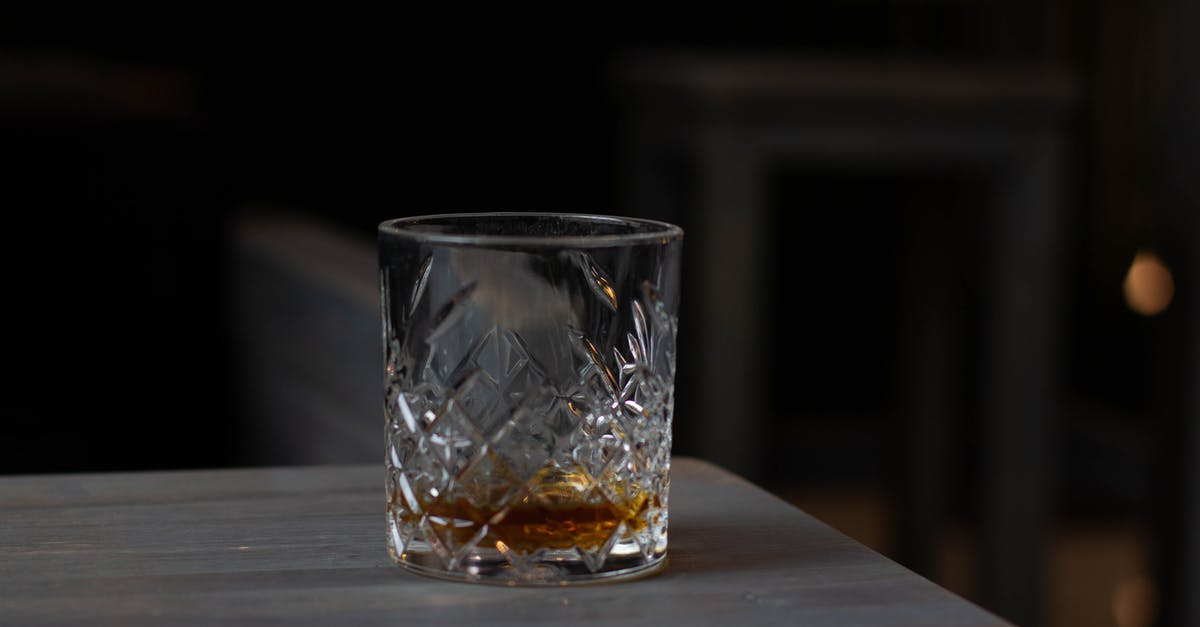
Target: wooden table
<point>305,545</point>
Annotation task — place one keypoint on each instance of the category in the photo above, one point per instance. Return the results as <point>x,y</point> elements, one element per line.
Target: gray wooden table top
<point>305,545</point>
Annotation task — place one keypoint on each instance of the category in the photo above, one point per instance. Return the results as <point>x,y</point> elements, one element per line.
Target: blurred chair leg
<point>1177,379</point>
<point>1189,578</point>
<point>929,377</point>
<point>1178,192</point>
<point>732,403</point>
<point>1019,376</point>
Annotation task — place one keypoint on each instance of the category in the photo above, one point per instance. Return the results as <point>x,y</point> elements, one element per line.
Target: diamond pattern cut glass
<point>528,392</point>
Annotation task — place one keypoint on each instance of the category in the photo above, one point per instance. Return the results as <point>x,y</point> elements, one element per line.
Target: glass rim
<point>648,231</point>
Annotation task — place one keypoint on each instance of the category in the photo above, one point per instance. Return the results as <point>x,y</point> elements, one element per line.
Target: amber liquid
<point>555,516</point>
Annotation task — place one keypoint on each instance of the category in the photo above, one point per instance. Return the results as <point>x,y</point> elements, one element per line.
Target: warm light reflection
<point>1135,602</point>
<point>1148,284</point>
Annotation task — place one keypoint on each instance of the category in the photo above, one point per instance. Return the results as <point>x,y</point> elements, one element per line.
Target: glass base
<point>545,568</point>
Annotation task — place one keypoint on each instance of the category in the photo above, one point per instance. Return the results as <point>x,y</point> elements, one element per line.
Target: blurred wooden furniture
<point>1174,150</point>
<point>731,120</point>
<point>305,545</point>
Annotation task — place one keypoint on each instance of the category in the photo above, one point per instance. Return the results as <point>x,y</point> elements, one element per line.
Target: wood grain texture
<point>305,546</point>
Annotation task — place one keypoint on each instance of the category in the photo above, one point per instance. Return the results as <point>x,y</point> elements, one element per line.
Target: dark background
<point>133,135</point>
